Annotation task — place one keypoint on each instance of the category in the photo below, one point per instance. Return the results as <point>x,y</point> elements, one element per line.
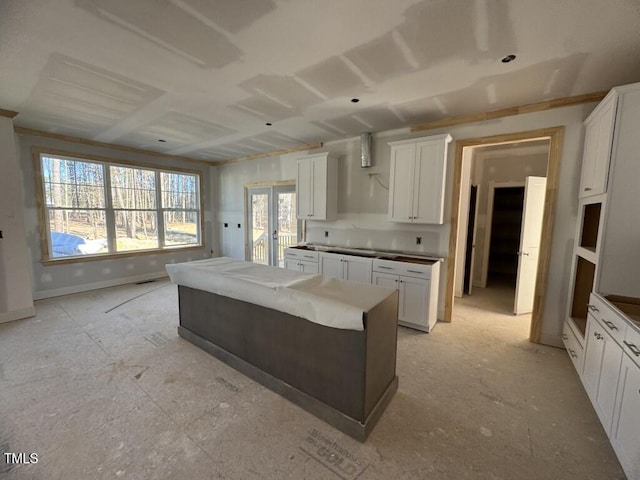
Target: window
<point>96,208</point>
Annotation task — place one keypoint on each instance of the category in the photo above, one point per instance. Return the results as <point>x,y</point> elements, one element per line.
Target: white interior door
<point>530,232</point>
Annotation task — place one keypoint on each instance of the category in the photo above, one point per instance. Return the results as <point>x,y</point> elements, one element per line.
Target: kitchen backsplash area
<point>377,233</point>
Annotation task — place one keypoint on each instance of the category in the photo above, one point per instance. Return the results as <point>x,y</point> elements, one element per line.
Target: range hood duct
<point>365,150</point>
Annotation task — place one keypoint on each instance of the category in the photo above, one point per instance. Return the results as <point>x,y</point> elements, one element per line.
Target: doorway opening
<point>504,187</point>
<point>270,210</point>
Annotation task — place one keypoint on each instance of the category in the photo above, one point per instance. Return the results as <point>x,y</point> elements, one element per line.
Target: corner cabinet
<point>417,179</point>
<point>317,187</point>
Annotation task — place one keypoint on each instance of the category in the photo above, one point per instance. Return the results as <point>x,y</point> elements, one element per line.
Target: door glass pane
<point>260,228</point>
<point>287,224</point>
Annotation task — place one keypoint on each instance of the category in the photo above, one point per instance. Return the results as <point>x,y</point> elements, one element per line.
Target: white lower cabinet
<point>301,260</point>
<point>602,360</point>
<point>418,294</point>
<point>346,267</point>
<point>626,422</point>
<point>611,376</point>
<point>573,346</point>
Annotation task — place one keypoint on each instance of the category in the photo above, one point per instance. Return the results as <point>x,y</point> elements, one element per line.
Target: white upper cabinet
<point>417,179</point>
<point>317,187</point>
<point>597,147</point>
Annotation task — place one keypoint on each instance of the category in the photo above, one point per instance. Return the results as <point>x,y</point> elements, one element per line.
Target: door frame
<point>467,270</point>
<point>488,222</point>
<point>247,220</point>
<point>555,135</point>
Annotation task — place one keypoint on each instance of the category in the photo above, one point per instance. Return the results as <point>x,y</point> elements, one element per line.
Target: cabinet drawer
<point>631,344</point>
<point>417,270</point>
<point>299,254</point>
<point>574,349</point>
<point>608,318</point>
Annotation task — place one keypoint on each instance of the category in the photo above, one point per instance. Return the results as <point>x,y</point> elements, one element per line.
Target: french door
<point>272,223</point>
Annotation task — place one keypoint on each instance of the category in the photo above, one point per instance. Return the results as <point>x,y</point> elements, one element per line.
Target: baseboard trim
<point>58,292</point>
<point>17,314</point>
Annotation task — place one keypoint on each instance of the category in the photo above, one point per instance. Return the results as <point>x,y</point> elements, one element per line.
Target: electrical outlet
<point>326,234</point>
<point>239,226</point>
<point>418,240</point>
<point>226,225</point>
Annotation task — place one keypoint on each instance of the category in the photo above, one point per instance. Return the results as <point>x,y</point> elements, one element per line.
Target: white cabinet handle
<point>633,348</point>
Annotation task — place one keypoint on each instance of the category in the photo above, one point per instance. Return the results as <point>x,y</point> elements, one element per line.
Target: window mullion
<point>159,210</point>
<point>109,211</point>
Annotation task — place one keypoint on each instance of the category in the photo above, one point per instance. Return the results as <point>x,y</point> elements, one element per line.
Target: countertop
<point>381,254</point>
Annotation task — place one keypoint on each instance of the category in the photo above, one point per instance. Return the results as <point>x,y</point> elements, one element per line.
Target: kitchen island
<point>325,344</point>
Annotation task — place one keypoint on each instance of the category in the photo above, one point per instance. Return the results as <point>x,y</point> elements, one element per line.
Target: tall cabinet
<point>605,257</point>
<point>602,328</point>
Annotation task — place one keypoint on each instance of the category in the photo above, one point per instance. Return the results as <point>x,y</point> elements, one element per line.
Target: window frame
<point>110,209</point>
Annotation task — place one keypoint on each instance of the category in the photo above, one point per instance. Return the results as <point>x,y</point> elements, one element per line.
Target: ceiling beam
<point>510,111</point>
<point>8,113</point>
<point>309,146</point>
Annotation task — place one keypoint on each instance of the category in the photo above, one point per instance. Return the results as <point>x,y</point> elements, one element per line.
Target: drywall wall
<point>362,201</point>
<point>499,170</point>
<point>52,280</point>
<point>16,300</point>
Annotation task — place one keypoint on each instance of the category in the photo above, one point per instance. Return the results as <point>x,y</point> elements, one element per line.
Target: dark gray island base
<point>344,377</point>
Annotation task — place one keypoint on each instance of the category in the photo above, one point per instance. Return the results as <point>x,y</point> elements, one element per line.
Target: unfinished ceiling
<point>206,77</point>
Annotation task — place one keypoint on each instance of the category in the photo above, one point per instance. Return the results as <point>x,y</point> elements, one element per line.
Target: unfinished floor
<point>99,385</point>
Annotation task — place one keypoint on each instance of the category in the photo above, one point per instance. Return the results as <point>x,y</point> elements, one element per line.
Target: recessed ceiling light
<point>508,58</point>
<point>355,100</point>
<point>268,124</point>
<point>162,140</point>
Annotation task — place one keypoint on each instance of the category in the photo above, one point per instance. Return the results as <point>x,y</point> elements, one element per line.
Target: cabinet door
<point>291,264</point>
<point>624,433</point>
<point>601,368</point>
<point>428,182</point>
<point>358,269</point>
<point>597,150</point>
<point>414,300</point>
<point>331,265</point>
<point>304,189</point>
<point>319,188</point>
<point>608,382</point>
<point>308,267</point>
<point>384,280</point>
<point>594,350</point>
<point>401,183</point>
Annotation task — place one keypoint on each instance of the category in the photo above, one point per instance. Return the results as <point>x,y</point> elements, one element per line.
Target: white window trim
<point>43,210</point>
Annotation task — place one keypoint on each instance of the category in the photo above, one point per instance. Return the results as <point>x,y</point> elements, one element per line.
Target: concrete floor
<point>99,385</point>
